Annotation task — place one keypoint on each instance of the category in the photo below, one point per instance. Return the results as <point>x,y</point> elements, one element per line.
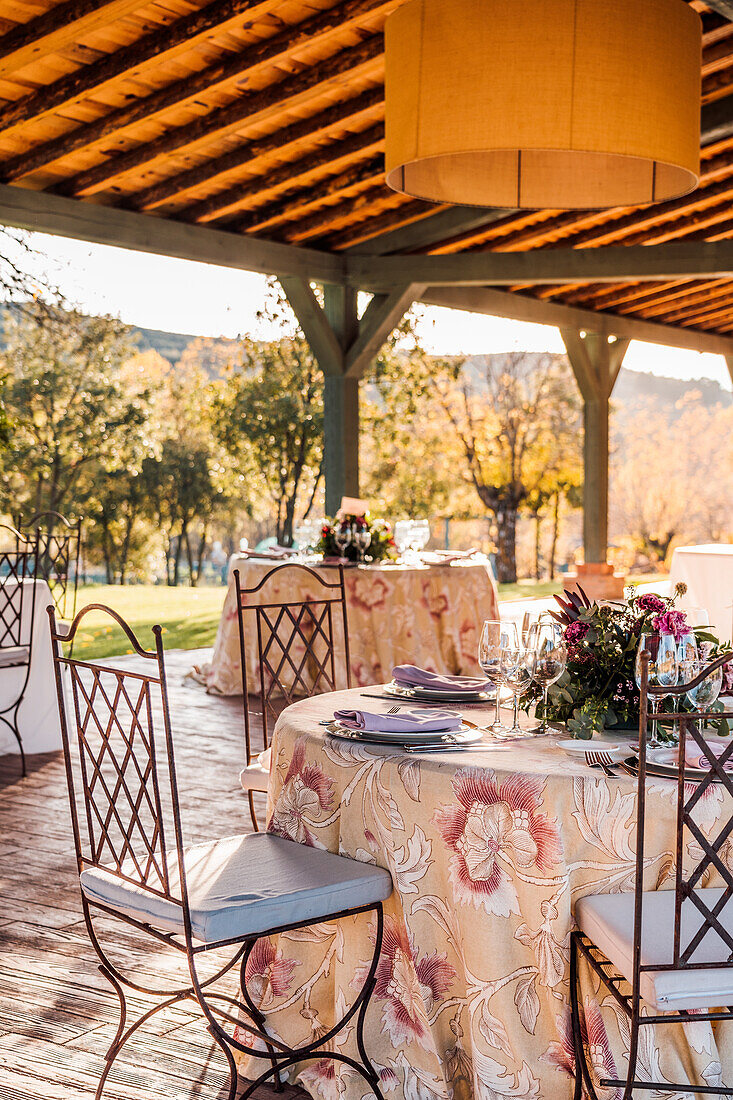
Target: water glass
<point>402,535</point>
<point>515,667</point>
<point>548,658</point>
<point>496,640</point>
<point>663,670</point>
<point>704,694</point>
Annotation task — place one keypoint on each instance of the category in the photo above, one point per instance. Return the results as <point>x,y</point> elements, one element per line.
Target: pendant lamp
<point>543,103</point>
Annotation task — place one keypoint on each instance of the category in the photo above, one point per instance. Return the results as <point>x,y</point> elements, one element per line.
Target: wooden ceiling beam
<point>178,92</point>
<point>519,307</point>
<point>692,299</point>
<point>304,198</point>
<point>57,28</point>
<point>309,128</point>
<point>722,7</point>
<point>684,259</point>
<point>356,146</point>
<point>631,302</point>
<point>408,213</point>
<point>22,208</point>
<point>317,224</point>
<point>245,108</point>
<point>122,62</point>
<point>429,230</point>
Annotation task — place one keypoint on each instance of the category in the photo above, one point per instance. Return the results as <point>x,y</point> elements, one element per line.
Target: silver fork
<point>394,710</point>
<point>601,759</point>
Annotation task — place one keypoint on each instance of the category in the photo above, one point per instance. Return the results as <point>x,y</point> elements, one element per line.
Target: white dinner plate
<point>582,748</point>
<point>425,739</point>
<point>435,696</point>
<point>665,758</point>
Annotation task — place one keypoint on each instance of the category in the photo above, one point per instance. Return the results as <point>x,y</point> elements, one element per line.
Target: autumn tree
<point>268,413</point>
<point>66,400</point>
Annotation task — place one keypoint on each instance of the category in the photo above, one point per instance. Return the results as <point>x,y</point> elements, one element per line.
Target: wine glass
<point>704,694</point>
<point>342,538</point>
<point>363,541</point>
<point>687,658</point>
<point>402,535</point>
<point>548,657</point>
<point>515,668</point>
<point>496,638</point>
<point>663,670</point>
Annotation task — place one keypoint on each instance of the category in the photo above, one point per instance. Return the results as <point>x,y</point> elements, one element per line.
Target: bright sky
<point>203,300</point>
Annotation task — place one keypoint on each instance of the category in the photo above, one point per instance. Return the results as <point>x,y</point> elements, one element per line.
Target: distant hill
<point>632,389</point>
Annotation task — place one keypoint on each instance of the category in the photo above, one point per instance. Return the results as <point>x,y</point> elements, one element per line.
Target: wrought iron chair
<point>281,628</point>
<point>669,950</point>
<point>17,616</point>
<point>59,550</point>
<point>133,865</point>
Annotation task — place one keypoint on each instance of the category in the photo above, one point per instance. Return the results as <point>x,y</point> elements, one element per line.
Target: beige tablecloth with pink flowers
<point>425,615</point>
<point>489,851</point>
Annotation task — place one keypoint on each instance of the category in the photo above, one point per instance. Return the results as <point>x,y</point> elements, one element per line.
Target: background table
<point>429,615</point>
<point>708,573</point>
<point>489,852</point>
<point>38,717</point>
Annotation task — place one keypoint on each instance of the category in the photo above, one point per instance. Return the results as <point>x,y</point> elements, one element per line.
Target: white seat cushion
<point>256,775</point>
<point>14,655</point>
<point>608,920</point>
<point>247,885</point>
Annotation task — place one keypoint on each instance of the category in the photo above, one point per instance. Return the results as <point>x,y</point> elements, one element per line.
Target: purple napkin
<point>408,676</point>
<point>407,721</point>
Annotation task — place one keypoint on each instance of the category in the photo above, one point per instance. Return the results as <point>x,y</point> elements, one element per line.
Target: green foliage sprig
<point>381,547</point>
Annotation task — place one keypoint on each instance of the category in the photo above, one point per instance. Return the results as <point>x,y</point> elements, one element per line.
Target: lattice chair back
<point>17,599</point>
<point>118,750</point>
<point>59,551</point>
<point>699,859</point>
<point>296,641</point>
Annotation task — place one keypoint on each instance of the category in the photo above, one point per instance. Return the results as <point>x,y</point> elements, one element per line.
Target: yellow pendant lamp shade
<point>543,103</point>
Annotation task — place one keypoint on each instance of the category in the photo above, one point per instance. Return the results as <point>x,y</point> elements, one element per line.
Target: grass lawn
<point>189,617</point>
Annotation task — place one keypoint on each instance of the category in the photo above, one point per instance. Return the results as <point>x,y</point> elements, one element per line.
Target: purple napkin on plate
<point>407,721</point>
<point>408,676</point>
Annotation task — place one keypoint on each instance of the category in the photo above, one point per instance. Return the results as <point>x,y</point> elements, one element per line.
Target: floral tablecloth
<point>429,615</point>
<point>489,851</point>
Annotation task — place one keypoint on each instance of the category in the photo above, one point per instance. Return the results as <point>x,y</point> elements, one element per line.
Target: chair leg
<point>233,1075</point>
<point>582,1073</point>
<point>12,724</point>
<point>256,1014</point>
<point>252,811</point>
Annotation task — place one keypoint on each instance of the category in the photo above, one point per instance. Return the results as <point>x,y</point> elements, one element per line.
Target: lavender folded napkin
<point>407,721</point>
<point>408,676</point>
<point>272,553</point>
<point>697,759</point>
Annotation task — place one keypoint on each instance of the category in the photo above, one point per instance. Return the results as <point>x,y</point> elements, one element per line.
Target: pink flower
<point>306,793</point>
<point>672,622</point>
<point>493,831</point>
<point>575,632</point>
<point>410,986</point>
<point>268,973</point>
<point>561,1052</point>
<point>650,602</point>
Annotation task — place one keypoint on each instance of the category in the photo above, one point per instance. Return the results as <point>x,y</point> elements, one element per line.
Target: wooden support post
<point>729,364</point>
<point>596,363</point>
<point>344,348</point>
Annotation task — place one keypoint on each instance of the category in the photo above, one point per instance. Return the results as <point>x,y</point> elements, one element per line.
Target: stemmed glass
<point>496,639</point>
<point>663,671</point>
<point>515,668</point>
<point>342,538</point>
<point>420,536</point>
<point>548,658</point>
<point>402,535</point>
<point>704,694</point>
<point>363,541</point>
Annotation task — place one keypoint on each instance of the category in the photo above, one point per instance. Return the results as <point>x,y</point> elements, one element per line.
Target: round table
<point>425,615</point>
<point>489,850</point>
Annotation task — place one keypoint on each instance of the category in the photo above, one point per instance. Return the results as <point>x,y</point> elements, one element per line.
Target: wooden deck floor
<point>56,1009</point>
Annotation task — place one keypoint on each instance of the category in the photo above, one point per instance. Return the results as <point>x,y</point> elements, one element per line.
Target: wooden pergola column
<point>344,346</point>
<point>596,360</point>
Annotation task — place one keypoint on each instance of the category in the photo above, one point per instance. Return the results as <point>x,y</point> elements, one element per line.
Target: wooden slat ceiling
<point>266,118</point>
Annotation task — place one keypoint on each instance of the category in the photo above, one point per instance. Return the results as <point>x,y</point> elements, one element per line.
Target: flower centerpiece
<point>598,688</point>
<point>381,545</point>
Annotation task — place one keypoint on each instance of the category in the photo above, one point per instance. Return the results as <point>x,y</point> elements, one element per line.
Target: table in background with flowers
<point>489,852</point>
<point>425,615</point>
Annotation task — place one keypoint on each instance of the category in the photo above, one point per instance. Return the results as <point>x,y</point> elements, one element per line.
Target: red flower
<point>306,793</point>
<point>268,973</point>
<point>493,831</point>
<point>410,986</point>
